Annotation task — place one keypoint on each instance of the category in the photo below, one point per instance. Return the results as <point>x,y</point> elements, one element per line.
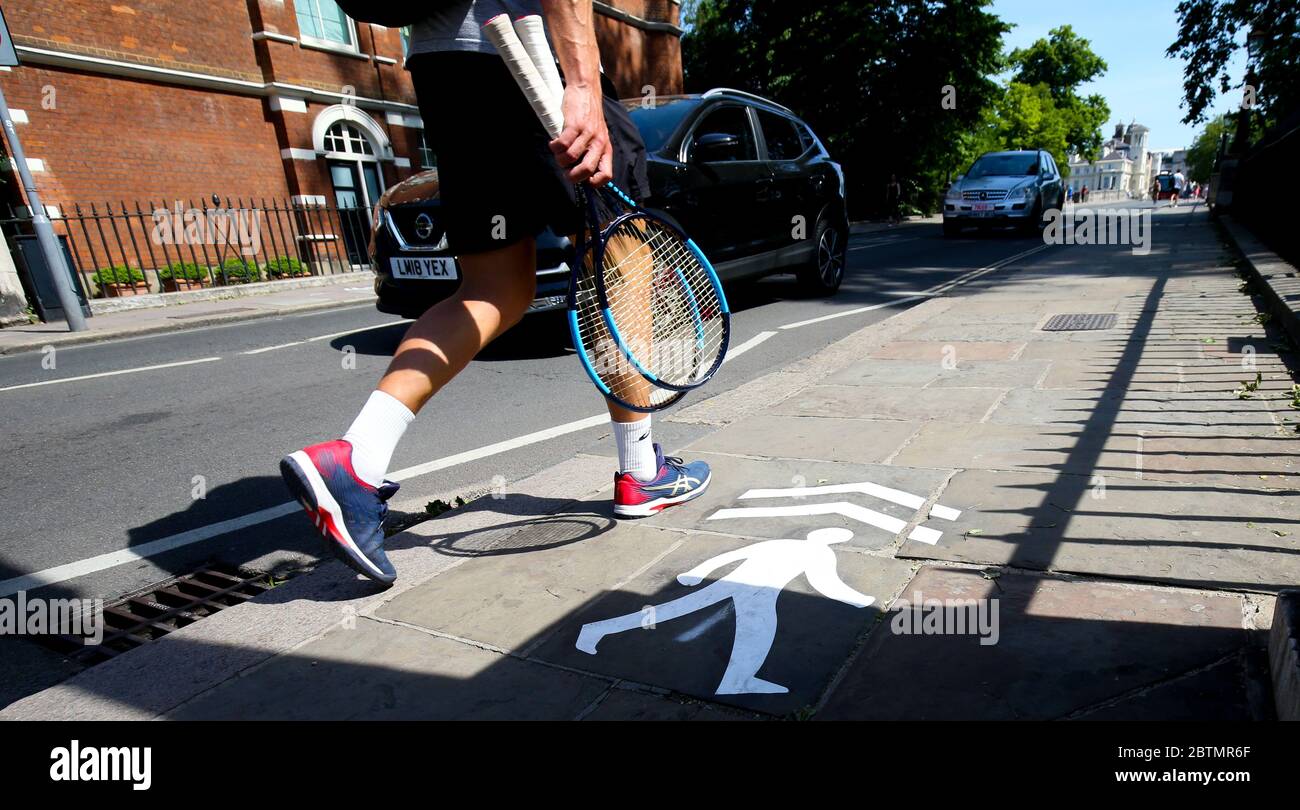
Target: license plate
<point>982,207</point>
<point>424,267</point>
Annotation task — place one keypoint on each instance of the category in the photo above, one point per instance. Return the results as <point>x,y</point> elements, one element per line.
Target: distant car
<point>743,176</point>
<point>1163,187</point>
<point>1004,188</point>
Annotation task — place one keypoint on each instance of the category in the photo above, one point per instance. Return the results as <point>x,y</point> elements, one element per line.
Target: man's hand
<point>584,144</point>
<point>583,147</point>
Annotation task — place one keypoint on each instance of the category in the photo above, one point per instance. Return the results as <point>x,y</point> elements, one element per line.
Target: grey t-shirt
<point>458,25</point>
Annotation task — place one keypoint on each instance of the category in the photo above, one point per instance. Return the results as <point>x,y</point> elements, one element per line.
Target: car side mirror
<point>715,146</point>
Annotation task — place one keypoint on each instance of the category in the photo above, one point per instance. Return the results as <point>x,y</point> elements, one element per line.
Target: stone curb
<point>1281,281</point>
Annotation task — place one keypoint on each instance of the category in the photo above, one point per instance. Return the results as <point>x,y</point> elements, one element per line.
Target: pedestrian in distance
<point>503,180</point>
<point>894,200</point>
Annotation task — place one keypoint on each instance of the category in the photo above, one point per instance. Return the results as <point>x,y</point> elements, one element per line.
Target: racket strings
<point>602,353</point>
<point>662,301</point>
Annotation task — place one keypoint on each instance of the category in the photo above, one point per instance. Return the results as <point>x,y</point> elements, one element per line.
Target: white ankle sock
<point>636,451</point>
<point>374,435</point>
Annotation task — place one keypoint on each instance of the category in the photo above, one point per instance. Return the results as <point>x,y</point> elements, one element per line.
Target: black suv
<point>744,177</point>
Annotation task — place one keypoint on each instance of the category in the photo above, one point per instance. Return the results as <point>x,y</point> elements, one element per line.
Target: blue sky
<point>1131,35</point>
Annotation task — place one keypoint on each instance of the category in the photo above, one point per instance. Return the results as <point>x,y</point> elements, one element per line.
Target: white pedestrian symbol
<point>753,588</point>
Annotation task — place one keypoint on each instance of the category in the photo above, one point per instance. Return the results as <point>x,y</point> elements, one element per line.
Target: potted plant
<point>285,267</point>
<point>184,276</point>
<point>236,270</point>
<point>120,280</point>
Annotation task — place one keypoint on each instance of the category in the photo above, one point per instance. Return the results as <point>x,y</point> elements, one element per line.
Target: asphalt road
<point>112,463</point>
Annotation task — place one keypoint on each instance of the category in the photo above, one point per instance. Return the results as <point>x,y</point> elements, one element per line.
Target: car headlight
<point>1027,192</point>
<point>954,193</point>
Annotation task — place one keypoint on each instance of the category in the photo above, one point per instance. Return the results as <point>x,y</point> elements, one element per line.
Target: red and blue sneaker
<point>347,511</point>
<point>677,482</point>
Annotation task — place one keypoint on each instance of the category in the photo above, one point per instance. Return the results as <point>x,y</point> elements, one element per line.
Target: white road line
<point>863,487</point>
<point>871,517</point>
<point>111,373</point>
<point>354,331</point>
<point>60,573</point>
<point>846,313</point>
<point>500,447</point>
<point>737,351</point>
<point>880,242</point>
<point>273,348</point>
<point>324,337</point>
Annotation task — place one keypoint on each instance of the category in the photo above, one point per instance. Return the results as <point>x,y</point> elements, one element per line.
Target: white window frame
<point>326,44</point>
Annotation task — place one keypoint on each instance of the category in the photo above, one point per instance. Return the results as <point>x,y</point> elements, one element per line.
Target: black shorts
<point>498,181</point>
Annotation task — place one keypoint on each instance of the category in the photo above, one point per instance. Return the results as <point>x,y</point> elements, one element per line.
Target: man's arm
<point>584,143</point>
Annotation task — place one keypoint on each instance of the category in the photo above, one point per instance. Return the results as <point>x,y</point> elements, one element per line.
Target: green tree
<point>1202,152</point>
<point>870,78</point>
<point>1211,32</point>
<point>1061,63</point>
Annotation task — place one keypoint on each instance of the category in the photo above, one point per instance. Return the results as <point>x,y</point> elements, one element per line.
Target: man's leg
<point>340,483</point>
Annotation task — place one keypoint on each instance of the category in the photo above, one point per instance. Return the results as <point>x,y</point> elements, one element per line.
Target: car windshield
<point>658,121</point>
<point>1004,166</point>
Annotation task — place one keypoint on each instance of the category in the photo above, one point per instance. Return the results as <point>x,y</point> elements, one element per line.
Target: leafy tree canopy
<point>1210,32</point>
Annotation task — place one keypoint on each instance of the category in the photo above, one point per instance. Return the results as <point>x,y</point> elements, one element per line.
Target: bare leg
<point>494,294</point>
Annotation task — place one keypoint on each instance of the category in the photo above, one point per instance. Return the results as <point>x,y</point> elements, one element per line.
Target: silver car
<point>1004,188</point>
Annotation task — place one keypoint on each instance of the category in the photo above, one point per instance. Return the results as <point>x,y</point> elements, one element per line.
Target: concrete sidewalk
<point>1111,516</point>
<point>246,303</point>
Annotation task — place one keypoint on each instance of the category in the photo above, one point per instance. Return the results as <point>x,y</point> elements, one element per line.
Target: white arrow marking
<point>871,517</point>
<point>864,487</point>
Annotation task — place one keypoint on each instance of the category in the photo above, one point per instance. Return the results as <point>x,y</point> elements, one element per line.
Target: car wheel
<point>825,272</point>
<point>951,229</point>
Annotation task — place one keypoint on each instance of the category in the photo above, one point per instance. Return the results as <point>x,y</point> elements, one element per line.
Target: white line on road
<point>849,312</point>
<point>880,242</point>
<point>60,573</point>
<point>273,348</point>
<point>737,351</point>
<point>325,337</point>
<point>111,373</point>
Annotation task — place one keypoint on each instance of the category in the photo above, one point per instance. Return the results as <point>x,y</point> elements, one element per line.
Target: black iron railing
<point>130,249</point>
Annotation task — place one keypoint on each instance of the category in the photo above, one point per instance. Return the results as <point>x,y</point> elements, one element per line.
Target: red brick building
<point>160,100</point>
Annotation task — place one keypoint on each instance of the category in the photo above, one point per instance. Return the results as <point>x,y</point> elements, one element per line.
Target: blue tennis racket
<point>648,315</point>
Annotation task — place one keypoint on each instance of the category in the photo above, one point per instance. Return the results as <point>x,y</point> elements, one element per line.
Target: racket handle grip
<point>532,32</point>
<point>502,35</point>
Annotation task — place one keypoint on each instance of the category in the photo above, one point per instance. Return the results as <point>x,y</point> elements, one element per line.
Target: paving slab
<point>791,637</point>
<point>854,440</point>
<point>991,374</point>
<point>502,599</point>
<point>897,403</point>
<point>1172,533</point>
<point>380,671</point>
<point>1215,694</point>
<point>886,374</point>
<point>972,332</point>
<point>1061,646</point>
<point>721,508</point>
<point>1105,411</point>
<point>937,350</point>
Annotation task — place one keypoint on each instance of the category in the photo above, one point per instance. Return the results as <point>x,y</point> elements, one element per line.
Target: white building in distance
<point>1125,166</point>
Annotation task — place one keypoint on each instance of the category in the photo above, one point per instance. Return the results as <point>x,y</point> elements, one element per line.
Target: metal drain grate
<point>153,613</point>
<point>1080,322</point>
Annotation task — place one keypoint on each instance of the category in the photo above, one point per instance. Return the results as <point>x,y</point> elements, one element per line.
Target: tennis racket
<point>647,312</point>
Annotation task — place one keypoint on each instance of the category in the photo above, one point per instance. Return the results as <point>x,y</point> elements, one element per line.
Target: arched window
<point>344,138</point>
